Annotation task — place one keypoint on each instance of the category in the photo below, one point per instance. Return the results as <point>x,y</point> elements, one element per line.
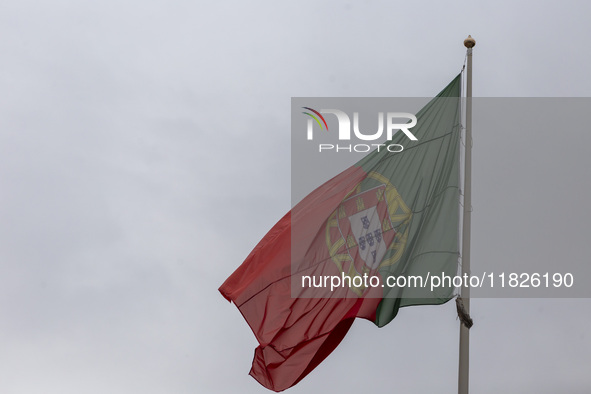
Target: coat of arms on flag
<point>369,229</point>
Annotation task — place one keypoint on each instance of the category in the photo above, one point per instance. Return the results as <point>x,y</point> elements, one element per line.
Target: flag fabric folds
<point>389,215</point>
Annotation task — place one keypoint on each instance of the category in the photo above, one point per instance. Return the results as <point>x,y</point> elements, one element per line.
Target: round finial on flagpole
<point>469,42</point>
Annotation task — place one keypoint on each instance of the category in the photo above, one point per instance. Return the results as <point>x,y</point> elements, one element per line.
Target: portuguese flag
<point>391,215</point>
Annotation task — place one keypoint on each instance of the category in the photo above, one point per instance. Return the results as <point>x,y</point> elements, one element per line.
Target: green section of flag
<point>426,176</point>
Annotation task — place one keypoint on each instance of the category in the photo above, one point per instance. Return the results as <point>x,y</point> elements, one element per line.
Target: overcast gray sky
<point>145,150</point>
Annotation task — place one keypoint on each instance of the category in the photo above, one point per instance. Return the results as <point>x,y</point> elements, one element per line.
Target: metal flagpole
<point>464,365</point>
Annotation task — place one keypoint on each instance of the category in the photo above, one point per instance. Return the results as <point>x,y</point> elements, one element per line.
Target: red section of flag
<point>295,334</point>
